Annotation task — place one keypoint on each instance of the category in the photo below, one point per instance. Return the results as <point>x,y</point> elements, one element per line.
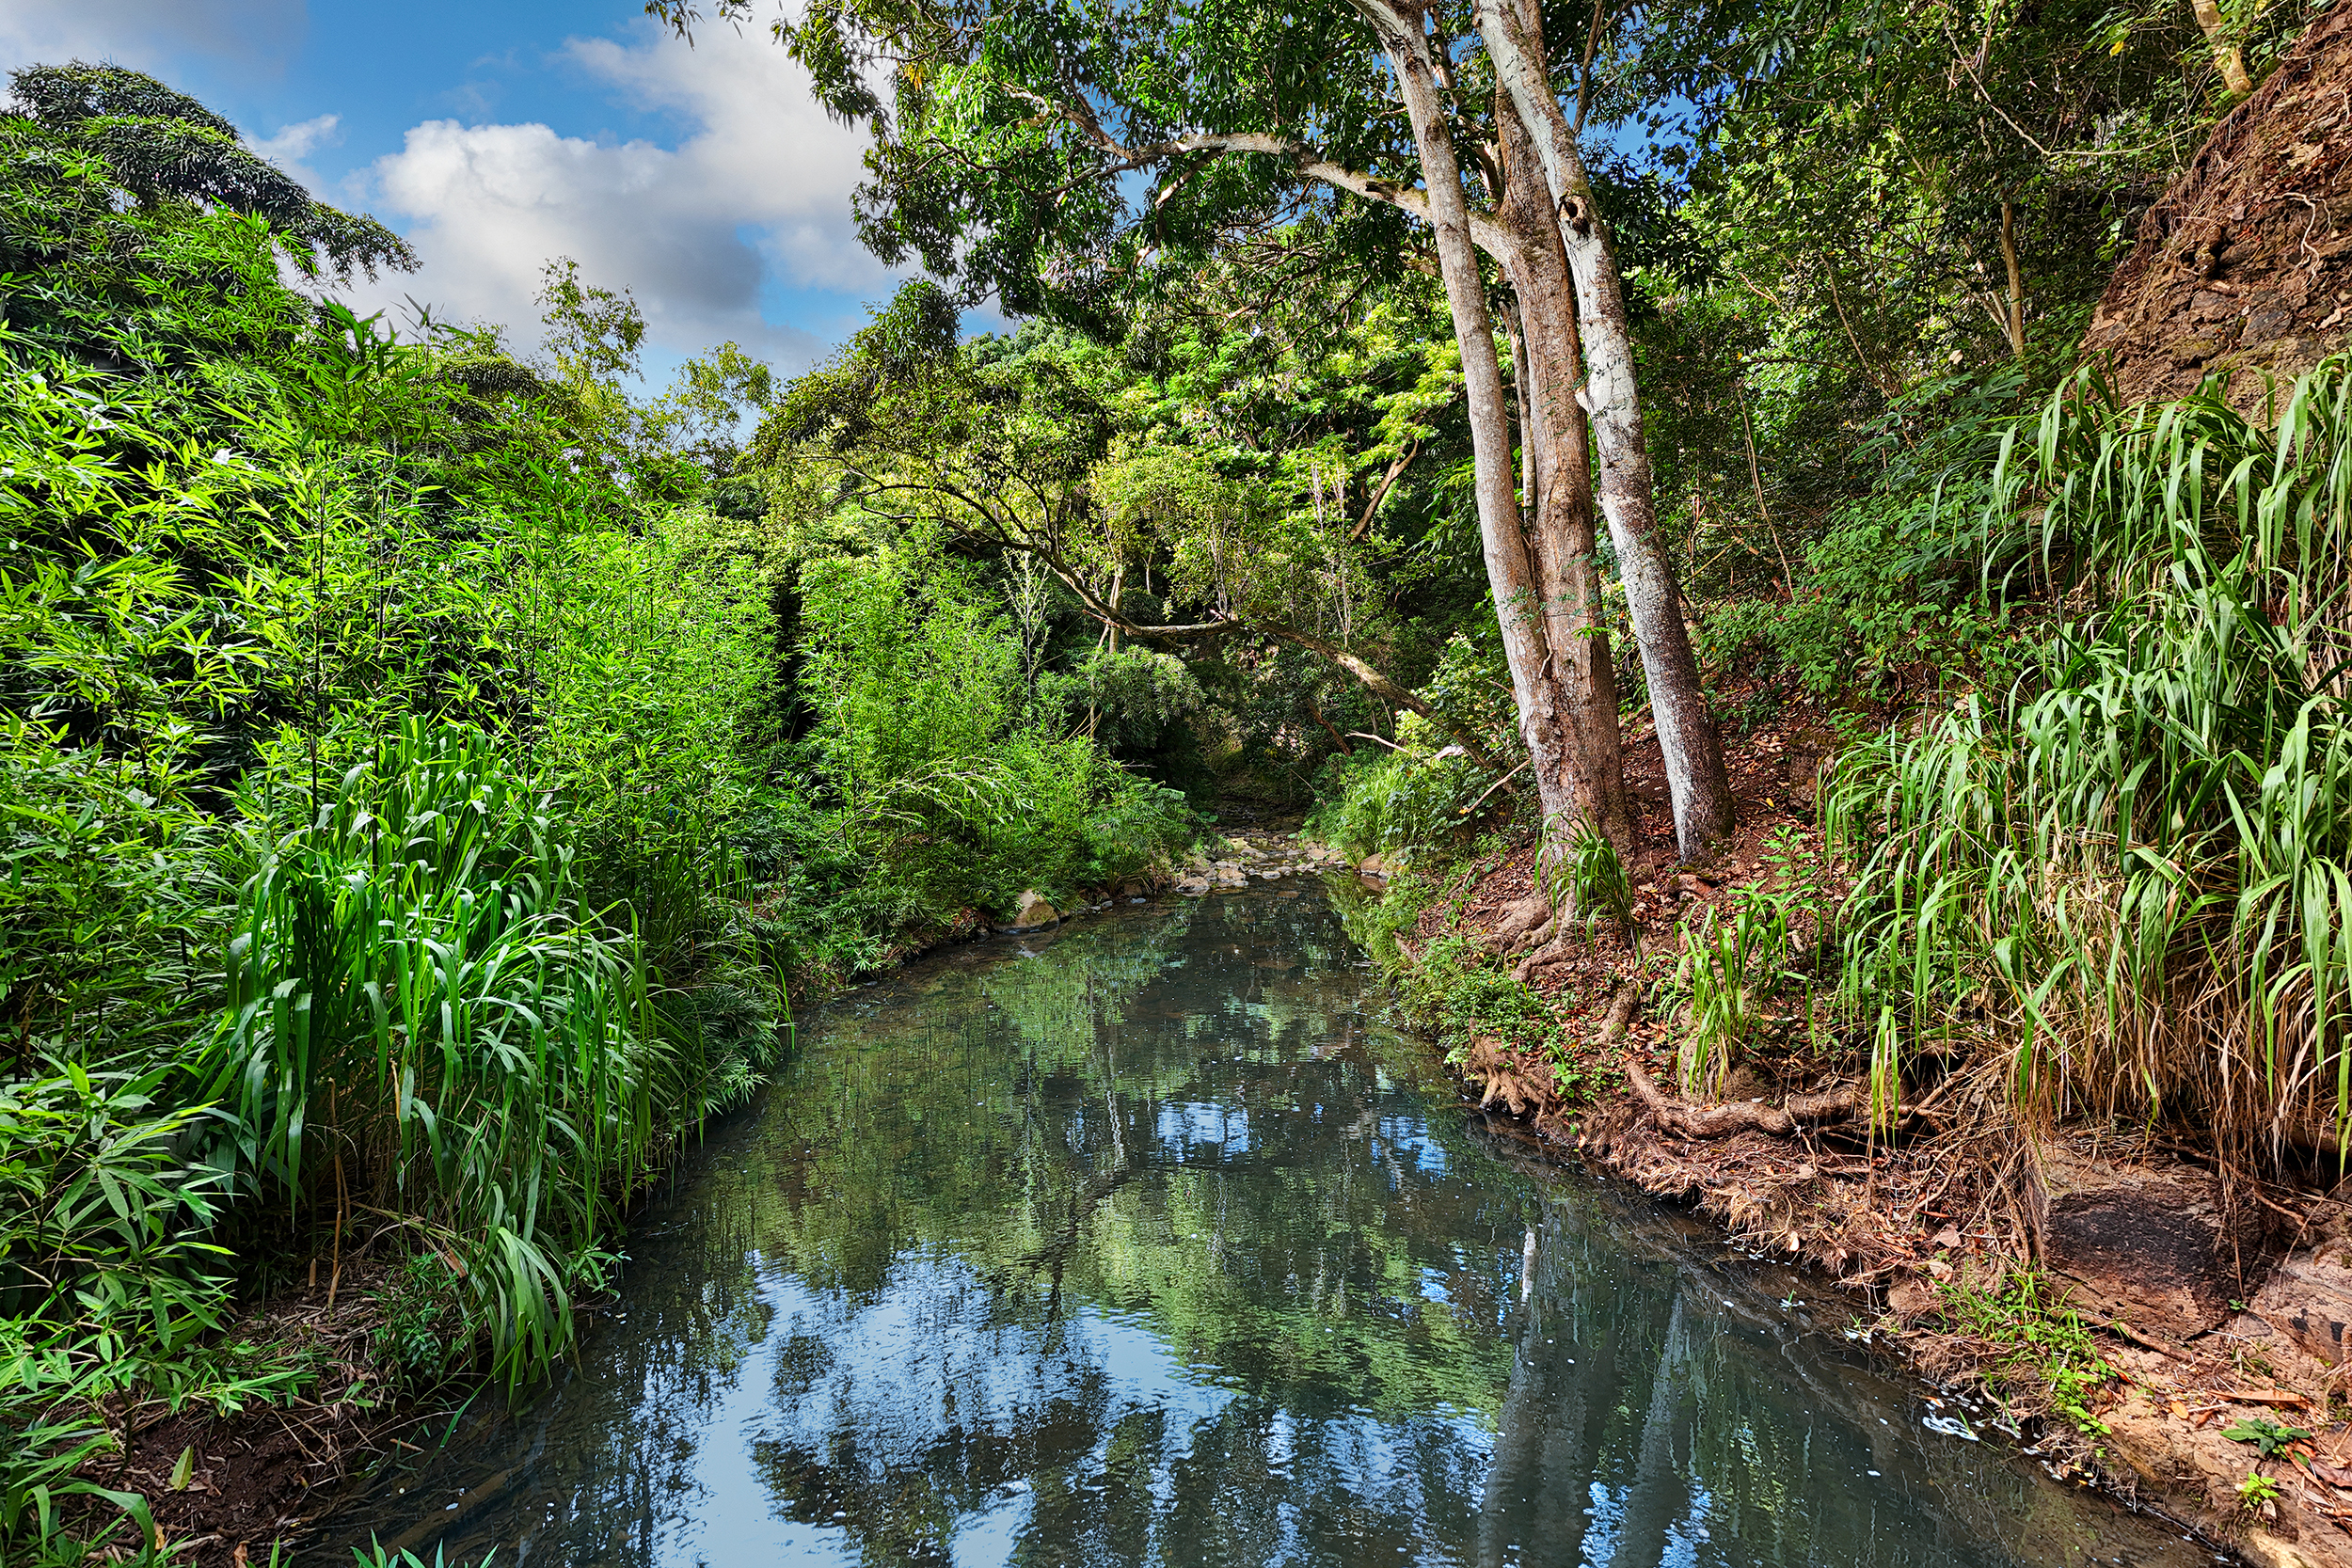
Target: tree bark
<point>2016,323</point>
<point>2227,56</point>
<point>1559,494</point>
<point>1510,570</point>
<point>1611,398</point>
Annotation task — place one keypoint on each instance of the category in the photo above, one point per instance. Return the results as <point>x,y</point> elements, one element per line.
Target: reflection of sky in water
<point>1102,1257</point>
<point>1184,1127</point>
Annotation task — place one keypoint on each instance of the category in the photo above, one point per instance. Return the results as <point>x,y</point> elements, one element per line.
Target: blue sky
<point>497,133</point>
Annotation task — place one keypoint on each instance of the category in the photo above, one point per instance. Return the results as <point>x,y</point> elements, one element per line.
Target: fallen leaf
<point>2334,1475</point>
<point>2264,1396</point>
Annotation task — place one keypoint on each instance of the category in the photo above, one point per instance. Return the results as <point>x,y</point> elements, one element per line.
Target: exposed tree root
<point>1721,1121</point>
<point>1532,915</point>
<point>1620,1014</point>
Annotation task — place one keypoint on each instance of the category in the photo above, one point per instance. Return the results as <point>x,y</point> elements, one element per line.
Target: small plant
<point>1462,993</point>
<point>2257,1491</point>
<point>2042,1346</point>
<point>1584,878</point>
<point>1729,967</point>
<point>2269,1435</point>
<point>377,1554</point>
<point>424,1329</point>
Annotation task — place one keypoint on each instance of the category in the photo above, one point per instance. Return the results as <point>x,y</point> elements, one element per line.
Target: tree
<point>166,146</point>
<point>1003,158</point>
<point>1021,455</point>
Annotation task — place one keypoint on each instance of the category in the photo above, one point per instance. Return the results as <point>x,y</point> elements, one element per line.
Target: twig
<point>1497,785</point>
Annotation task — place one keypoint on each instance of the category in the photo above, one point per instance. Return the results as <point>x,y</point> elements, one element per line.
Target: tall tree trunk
<point>1559,494</point>
<point>1510,570</point>
<point>1611,398</point>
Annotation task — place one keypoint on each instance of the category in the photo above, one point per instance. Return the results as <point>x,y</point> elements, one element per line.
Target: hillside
<point>2245,267</point>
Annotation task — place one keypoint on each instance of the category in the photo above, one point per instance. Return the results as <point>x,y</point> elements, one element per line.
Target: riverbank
<point>316,1389</point>
<point>2139,1315</point>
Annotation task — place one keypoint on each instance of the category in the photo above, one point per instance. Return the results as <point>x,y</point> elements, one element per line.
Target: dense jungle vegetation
<point>429,771</point>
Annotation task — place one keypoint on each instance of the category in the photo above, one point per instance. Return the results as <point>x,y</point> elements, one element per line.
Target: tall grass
<point>424,1021</point>
<point>2132,871</point>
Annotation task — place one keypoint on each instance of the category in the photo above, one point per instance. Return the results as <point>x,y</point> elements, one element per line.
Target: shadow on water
<point>1150,1241</point>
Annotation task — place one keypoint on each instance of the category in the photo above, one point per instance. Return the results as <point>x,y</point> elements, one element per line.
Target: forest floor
<point>2145,1317</point>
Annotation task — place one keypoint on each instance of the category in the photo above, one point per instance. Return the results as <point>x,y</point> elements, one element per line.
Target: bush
<point>2132,871</point>
<point>419,1005</point>
<point>1380,802</point>
<point>944,781</point>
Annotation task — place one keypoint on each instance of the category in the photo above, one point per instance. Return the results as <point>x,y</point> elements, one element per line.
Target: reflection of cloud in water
<point>1135,1252</point>
<point>1185,1127</point>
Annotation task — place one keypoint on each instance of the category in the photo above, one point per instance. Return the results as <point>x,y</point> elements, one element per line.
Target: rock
<point>2267,1550</point>
<point>1373,865</point>
<point>2309,1299</point>
<point>2155,1248</point>
<point>1032,912</point>
<point>1194,886</point>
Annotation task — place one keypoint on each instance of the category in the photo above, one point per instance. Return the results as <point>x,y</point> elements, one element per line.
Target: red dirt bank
<point>2212,1300</point>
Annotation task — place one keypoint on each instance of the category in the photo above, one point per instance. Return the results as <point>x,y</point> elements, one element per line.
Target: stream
<point>1153,1239</point>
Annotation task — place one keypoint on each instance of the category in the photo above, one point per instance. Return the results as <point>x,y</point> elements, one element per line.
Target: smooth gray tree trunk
<point>1510,568</point>
<point>1560,501</point>
<point>1611,398</point>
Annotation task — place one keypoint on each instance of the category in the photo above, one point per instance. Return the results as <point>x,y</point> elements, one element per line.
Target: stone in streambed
<point>1033,912</point>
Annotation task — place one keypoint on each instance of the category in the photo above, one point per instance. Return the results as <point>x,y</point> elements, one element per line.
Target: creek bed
<point>1151,1240</point>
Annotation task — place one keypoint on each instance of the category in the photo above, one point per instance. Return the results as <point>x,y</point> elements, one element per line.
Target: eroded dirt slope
<point>2245,266</point>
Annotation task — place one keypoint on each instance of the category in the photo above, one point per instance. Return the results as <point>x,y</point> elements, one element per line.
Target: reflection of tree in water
<point>1146,1247</point>
<point>1660,1410</point>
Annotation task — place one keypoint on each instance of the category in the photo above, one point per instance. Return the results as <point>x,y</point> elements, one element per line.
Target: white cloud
<point>756,194</point>
<point>148,34</point>
<point>293,143</point>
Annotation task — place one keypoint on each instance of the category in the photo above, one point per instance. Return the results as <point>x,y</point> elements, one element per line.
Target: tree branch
<point>1304,162</point>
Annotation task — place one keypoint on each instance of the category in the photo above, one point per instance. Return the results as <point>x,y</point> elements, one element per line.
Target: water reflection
<point>1150,1243</point>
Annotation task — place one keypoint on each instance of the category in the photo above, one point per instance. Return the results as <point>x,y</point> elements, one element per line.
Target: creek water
<point>1151,1240</point>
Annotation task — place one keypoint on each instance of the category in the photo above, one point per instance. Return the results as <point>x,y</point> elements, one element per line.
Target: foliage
<point>1458,990</point>
<point>161,145</point>
<point>2039,1345</point>
<point>2260,1429</point>
<point>1382,801</point>
<point>420,781</point>
<point>918,684</point>
<point>417,1000</point>
<point>377,1554</point>
<point>2133,862</point>
<point>1584,877</point>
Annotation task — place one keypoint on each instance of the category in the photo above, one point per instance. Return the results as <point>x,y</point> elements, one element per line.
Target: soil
<point>225,1484</point>
<point>2158,1253</point>
<point>2244,268</point>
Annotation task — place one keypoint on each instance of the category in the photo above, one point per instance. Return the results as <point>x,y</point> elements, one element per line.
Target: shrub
<point>2133,869</point>
<point>422,1017</point>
